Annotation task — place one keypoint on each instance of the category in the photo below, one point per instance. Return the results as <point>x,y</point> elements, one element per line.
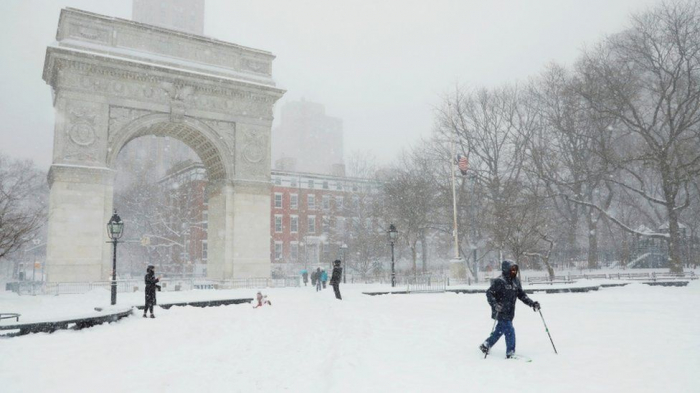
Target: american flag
<point>462,164</point>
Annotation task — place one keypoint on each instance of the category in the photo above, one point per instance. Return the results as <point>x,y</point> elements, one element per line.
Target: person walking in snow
<point>318,279</point>
<point>501,296</point>
<point>324,277</point>
<point>335,278</point>
<point>305,277</point>
<point>151,285</point>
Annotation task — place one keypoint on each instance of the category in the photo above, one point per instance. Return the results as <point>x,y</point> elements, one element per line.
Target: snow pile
<point>630,339</point>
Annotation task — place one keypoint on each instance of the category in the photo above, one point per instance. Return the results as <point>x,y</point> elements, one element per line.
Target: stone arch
<point>217,157</point>
<point>114,80</point>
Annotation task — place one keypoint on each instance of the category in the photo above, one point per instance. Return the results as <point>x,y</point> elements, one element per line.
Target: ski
<point>520,357</point>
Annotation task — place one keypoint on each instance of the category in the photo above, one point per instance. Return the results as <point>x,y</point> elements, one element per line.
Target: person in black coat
<point>335,278</point>
<point>502,294</point>
<point>151,286</point>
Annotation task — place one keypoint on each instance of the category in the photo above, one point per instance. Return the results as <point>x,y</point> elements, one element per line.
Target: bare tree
<point>648,79</point>
<point>23,203</point>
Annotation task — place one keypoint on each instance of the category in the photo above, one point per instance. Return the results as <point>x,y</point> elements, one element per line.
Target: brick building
<point>311,217</point>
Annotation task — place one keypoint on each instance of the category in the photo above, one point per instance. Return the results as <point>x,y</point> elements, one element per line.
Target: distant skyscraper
<point>183,15</point>
<point>307,140</point>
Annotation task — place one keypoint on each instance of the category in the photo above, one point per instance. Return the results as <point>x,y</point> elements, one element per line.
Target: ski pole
<point>492,330</point>
<point>547,329</point>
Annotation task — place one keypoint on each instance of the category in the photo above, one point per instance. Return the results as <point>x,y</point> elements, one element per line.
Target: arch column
<point>80,204</point>
<point>237,236</point>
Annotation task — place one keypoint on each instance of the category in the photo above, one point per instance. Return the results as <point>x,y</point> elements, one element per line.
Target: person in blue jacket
<point>324,278</point>
<point>501,296</point>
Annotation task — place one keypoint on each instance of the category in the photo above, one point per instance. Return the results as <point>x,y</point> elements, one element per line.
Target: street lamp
<point>115,230</point>
<point>343,248</point>
<point>393,234</point>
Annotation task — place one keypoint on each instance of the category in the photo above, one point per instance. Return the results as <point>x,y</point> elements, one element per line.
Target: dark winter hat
<point>150,267</point>
<point>336,262</point>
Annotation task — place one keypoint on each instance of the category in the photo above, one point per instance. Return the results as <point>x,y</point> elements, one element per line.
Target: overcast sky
<point>380,66</point>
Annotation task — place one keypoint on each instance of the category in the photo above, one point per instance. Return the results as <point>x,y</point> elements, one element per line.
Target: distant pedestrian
<point>151,286</point>
<point>335,278</point>
<point>313,278</point>
<point>305,277</point>
<point>324,277</point>
<point>501,296</point>
<point>318,279</point>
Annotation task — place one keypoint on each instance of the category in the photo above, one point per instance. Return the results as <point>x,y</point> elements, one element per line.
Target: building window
<point>294,251</point>
<point>205,220</point>
<point>325,184</point>
<point>294,201</point>
<point>278,223</point>
<point>325,221</point>
<point>339,186</point>
<point>278,181</point>
<point>293,182</point>
<point>278,251</point>
<point>339,202</point>
<point>356,202</point>
<point>326,202</point>
<point>312,224</point>
<point>340,225</point>
<point>354,187</point>
<point>278,200</point>
<point>311,202</point>
<point>294,227</point>
<point>311,184</point>
<point>205,250</point>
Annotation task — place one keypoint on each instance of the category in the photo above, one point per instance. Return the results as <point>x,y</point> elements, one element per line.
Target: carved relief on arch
<point>120,117</point>
<point>252,152</point>
<point>82,135</point>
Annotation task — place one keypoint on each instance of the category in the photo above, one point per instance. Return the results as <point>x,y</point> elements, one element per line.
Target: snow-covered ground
<point>631,339</point>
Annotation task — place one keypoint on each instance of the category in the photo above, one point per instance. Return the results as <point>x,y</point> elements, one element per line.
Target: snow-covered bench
<point>548,280</point>
<point>10,315</point>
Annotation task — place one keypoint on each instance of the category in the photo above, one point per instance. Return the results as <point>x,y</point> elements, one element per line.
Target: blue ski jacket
<point>505,290</point>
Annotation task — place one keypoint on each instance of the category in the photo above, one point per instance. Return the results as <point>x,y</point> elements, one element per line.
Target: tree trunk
<point>675,262</point>
<point>424,251</point>
<point>592,240</point>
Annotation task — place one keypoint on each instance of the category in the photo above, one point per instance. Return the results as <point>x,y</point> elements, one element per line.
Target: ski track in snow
<point>631,339</point>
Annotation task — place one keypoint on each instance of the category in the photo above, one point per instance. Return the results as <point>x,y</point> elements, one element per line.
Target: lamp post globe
<point>115,230</point>
<point>393,235</point>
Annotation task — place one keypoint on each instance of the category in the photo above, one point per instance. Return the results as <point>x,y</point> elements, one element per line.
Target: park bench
<point>547,280</point>
<point>10,315</point>
<point>594,276</point>
<point>630,276</point>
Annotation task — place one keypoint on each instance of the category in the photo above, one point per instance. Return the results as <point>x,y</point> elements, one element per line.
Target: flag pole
<point>454,199</point>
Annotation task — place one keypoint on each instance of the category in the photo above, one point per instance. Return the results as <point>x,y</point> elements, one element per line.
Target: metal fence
<point>166,284</point>
<point>424,284</point>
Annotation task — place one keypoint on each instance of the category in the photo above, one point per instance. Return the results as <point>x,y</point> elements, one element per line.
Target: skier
<point>335,278</point>
<point>151,285</point>
<point>501,296</point>
<point>324,277</point>
<point>318,279</point>
<point>305,277</point>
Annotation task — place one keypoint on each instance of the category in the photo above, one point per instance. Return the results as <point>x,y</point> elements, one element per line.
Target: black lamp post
<point>393,234</point>
<point>115,230</point>
<point>344,247</point>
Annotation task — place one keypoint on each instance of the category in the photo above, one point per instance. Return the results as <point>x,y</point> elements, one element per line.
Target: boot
<point>152,316</point>
<point>484,349</point>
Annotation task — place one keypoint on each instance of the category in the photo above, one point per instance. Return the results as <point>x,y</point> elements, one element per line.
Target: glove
<point>535,306</point>
<point>498,307</point>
